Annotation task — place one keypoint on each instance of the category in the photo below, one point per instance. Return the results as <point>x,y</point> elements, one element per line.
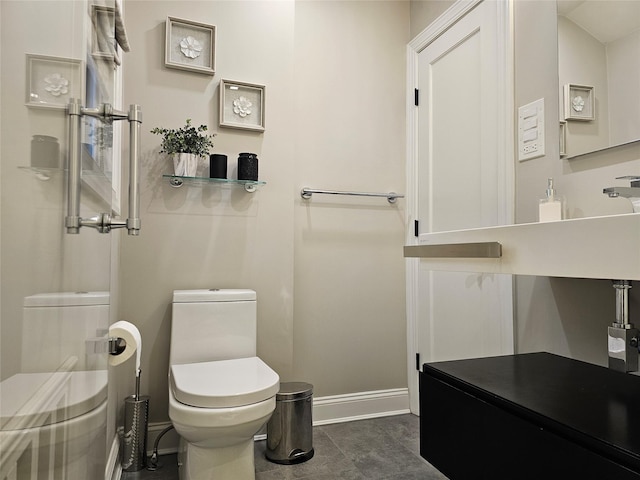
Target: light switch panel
<point>531,130</point>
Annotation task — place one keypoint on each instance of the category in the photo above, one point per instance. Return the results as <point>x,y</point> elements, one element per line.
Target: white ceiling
<point>606,20</point>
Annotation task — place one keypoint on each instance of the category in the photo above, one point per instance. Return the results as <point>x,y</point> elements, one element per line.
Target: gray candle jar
<point>45,152</point>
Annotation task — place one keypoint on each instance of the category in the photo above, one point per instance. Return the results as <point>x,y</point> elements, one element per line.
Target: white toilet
<point>220,392</point>
<point>53,411</point>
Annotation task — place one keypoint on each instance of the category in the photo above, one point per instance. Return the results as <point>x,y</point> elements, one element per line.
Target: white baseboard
<point>326,410</point>
<point>360,406</point>
<point>113,470</point>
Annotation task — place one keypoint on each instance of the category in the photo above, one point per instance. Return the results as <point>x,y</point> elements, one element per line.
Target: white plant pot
<point>185,164</point>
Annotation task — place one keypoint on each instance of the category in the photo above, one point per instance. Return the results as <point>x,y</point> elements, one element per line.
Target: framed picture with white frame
<point>563,138</point>
<point>190,46</point>
<point>579,102</point>
<point>52,81</point>
<point>103,42</point>
<point>242,105</point>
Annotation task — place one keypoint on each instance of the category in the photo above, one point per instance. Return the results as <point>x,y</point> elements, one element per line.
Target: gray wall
<point>349,303</point>
<point>581,56</point>
<point>423,12</point>
<point>329,273</point>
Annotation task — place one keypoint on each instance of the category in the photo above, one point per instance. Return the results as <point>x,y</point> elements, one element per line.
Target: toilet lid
<point>224,383</point>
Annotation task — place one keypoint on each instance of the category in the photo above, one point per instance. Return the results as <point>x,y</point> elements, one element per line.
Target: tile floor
<point>378,449</point>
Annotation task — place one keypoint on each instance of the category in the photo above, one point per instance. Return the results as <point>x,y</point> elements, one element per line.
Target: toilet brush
<point>138,372</point>
<point>136,415</point>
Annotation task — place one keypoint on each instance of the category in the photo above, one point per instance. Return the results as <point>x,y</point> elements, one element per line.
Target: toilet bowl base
<point>234,462</point>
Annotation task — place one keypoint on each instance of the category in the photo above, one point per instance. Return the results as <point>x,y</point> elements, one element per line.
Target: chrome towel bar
<point>391,197</point>
<point>455,250</point>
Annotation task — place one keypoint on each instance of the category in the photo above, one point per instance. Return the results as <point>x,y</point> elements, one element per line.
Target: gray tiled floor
<point>377,449</point>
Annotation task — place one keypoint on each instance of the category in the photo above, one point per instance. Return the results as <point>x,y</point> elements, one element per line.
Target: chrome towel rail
<point>454,250</point>
<point>391,197</point>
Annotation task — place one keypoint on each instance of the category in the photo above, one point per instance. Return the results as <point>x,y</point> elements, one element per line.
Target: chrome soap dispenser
<point>550,207</point>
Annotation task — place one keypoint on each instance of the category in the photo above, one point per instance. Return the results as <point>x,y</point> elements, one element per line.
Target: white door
<point>461,166</point>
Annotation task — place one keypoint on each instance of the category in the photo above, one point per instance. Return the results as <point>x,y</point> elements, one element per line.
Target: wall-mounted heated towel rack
<point>391,197</point>
<point>103,222</point>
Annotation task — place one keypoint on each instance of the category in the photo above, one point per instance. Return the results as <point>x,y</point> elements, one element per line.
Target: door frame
<point>505,148</point>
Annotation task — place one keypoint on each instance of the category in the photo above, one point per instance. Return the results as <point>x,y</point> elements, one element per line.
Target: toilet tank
<point>209,325</point>
<point>57,326</point>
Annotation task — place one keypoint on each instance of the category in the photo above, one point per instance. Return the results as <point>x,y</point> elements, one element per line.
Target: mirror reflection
<point>599,74</point>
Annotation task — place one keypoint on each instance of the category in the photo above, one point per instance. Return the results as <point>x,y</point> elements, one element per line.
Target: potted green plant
<point>186,145</point>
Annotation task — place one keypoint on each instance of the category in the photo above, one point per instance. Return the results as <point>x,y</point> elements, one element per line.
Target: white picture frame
<point>563,138</point>
<point>103,40</point>
<point>52,81</point>
<point>242,105</point>
<point>579,102</point>
<point>190,46</point>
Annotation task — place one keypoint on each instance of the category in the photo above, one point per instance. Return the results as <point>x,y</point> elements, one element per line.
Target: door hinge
<point>417,361</point>
<point>415,97</point>
<point>416,228</point>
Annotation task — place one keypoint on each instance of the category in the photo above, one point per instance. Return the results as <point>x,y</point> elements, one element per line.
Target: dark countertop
<point>589,404</point>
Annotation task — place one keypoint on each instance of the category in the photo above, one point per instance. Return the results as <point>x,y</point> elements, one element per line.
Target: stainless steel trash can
<point>290,428</point>
<point>134,440</point>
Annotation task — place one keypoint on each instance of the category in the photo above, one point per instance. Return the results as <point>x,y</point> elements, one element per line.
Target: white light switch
<point>530,135</point>
<point>531,130</point>
<point>529,111</point>
<point>530,123</point>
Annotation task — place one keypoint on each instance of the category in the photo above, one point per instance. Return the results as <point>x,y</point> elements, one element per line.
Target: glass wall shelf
<point>177,181</point>
<point>45,173</point>
<point>97,180</point>
<point>41,173</point>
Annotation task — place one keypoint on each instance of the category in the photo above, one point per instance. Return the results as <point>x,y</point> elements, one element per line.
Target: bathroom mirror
<point>599,74</point>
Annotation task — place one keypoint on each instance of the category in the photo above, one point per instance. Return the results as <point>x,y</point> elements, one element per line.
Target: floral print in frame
<point>190,46</point>
<point>53,81</point>
<point>242,105</point>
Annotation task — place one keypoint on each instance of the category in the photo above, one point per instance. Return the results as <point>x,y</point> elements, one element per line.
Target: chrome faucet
<point>632,193</point>
<point>622,335</point>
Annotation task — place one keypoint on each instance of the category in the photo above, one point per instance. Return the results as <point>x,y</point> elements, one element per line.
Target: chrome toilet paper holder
<point>112,345</point>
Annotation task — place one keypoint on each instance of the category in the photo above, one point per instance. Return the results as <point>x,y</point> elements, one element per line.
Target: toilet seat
<point>79,392</point>
<point>223,383</point>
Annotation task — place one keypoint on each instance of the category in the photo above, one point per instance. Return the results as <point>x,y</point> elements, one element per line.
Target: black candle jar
<point>217,166</point>
<point>248,166</point>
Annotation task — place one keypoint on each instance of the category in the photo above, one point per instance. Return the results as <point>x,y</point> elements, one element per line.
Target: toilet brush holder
<point>134,440</point>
